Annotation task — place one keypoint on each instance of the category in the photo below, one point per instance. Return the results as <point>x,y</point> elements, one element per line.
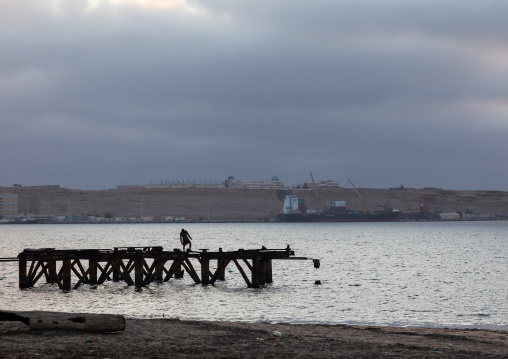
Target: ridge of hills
<point>207,204</point>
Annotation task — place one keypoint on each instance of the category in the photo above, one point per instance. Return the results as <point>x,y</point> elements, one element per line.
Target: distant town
<point>235,200</point>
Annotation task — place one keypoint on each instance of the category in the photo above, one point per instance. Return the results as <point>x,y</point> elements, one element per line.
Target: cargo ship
<point>295,210</point>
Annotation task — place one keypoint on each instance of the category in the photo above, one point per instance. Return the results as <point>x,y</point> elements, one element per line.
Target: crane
<point>359,194</point>
<point>317,196</point>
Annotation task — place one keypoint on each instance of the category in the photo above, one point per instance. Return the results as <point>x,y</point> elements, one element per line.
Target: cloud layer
<point>101,93</point>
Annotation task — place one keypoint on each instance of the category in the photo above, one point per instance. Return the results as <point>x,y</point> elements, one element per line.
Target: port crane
<point>317,196</point>
<point>359,194</point>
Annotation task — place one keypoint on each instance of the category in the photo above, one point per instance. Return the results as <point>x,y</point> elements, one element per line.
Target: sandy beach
<point>172,338</point>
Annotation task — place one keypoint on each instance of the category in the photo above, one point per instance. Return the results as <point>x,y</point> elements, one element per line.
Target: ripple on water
<point>418,274</point>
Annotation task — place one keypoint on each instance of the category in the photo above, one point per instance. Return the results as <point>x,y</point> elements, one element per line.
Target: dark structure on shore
<point>140,266</point>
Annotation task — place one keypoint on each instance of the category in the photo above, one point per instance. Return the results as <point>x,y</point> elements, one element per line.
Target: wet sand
<point>170,338</point>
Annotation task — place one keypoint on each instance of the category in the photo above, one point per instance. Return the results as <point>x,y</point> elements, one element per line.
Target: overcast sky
<point>100,93</point>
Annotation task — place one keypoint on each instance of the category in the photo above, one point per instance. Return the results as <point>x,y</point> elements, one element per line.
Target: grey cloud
<point>387,92</point>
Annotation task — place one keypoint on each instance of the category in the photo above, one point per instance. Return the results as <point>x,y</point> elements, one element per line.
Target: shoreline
<point>164,338</point>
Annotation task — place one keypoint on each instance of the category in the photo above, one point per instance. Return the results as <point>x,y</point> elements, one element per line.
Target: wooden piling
<point>269,278</point>
<point>92,274</point>
<point>221,269</point>
<point>255,273</point>
<point>138,272</point>
<point>262,271</point>
<point>66,274</point>
<point>205,268</point>
<point>23,283</point>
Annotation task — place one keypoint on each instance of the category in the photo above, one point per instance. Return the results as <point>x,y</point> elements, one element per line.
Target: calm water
<point>438,274</point>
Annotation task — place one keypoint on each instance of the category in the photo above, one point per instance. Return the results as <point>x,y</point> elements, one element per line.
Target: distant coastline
<point>214,205</point>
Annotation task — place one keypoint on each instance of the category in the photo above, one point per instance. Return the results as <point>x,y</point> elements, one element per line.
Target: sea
<point>418,274</point>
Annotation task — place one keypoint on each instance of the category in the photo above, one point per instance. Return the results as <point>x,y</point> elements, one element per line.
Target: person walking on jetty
<point>185,239</point>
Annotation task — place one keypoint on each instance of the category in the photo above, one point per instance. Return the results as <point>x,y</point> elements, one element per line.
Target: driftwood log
<point>78,321</point>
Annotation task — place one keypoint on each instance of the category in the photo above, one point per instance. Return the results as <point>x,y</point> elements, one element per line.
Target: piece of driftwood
<point>89,322</point>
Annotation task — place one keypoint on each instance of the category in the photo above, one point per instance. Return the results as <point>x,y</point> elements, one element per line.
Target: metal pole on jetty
<point>149,264</point>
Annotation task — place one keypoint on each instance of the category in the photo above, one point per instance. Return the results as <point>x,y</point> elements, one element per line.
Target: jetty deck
<point>140,266</point>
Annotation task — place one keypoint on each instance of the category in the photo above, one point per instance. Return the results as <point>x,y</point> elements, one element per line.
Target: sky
<point>100,93</point>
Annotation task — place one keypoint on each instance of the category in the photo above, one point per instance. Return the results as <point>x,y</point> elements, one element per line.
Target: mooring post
<point>205,267</point>
<point>66,274</point>
<point>92,274</point>
<point>22,273</point>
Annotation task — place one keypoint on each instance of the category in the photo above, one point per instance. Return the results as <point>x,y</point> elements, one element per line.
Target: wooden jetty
<point>140,266</point>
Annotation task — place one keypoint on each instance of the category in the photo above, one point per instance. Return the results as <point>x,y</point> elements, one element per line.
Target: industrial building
<point>8,206</point>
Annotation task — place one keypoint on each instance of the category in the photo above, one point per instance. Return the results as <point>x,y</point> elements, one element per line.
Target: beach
<point>173,338</point>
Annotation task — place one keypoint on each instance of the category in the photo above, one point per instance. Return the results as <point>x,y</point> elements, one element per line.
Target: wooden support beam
<point>66,273</point>
<point>76,286</point>
<point>243,273</point>
<point>262,271</point>
<point>92,271</point>
<point>33,273</point>
<point>38,276</point>
<point>155,272</point>
<point>205,271</point>
<point>30,273</point>
<point>83,271</point>
<point>255,273</point>
<point>119,268</point>
<point>187,265</point>
<point>138,272</point>
<point>269,277</point>
<point>178,269</point>
<point>170,272</point>
<point>51,276</point>
<point>158,272</point>
<point>116,270</point>
<point>104,272</point>
<point>22,280</point>
<point>220,269</point>
<point>248,264</point>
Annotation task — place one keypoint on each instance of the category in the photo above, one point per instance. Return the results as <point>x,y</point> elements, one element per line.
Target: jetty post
<point>205,267</point>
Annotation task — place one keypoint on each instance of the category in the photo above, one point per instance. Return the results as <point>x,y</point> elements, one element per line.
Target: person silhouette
<point>185,239</point>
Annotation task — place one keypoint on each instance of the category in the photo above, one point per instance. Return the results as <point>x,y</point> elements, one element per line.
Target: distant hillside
<point>238,205</point>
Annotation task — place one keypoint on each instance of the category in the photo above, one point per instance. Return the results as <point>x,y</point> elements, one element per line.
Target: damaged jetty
<point>140,266</point>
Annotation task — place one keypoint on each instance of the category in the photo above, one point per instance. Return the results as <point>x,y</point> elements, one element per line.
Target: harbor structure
<point>140,266</point>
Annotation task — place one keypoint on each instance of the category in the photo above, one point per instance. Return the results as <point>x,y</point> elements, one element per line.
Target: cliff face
<point>238,205</point>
